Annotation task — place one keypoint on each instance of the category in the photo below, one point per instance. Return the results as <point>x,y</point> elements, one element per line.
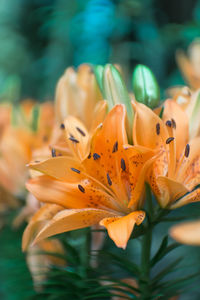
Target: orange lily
<point>77,95</point>
<point>190,65</point>
<point>175,174</point>
<point>104,188</point>
<point>18,143</point>
<point>187,233</point>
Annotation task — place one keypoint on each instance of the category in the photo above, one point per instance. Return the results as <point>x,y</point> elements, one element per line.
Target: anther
<point>96,156</point>
<point>109,180</point>
<point>62,126</point>
<point>115,147</point>
<point>158,128</point>
<point>53,152</point>
<point>123,165</point>
<point>71,138</point>
<point>168,123</point>
<point>76,170</point>
<point>81,188</point>
<point>187,150</point>
<point>80,131</point>
<point>173,123</point>
<point>169,140</point>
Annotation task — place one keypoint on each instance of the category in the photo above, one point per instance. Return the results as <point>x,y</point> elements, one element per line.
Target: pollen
<point>53,152</point>
<point>115,147</point>
<point>71,138</point>
<point>123,165</point>
<point>76,170</point>
<point>80,131</point>
<point>96,156</point>
<point>169,140</point>
<point>81,188</point>
<point>158,128</point>
<point>187,150</point>
<point>109,180</point>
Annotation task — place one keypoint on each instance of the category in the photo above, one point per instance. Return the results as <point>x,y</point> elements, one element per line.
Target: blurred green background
<point>40,38</point>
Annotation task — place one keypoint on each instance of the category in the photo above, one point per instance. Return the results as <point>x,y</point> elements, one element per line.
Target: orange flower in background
<point>189,65</point>
<point>30,128</point>
<point>105,188</point>
<point>175,174</point>
<point>187,233</point>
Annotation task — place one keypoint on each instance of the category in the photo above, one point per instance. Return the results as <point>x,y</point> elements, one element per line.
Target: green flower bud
<point>145,86</point>
<point>98,72</point>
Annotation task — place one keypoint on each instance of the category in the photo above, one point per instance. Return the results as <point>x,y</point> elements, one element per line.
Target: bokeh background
<point>39,39</point>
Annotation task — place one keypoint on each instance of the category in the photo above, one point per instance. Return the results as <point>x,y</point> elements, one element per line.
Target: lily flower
<point>189,64</point>
<point>104,188</point>
<point>175,174</point>
<point>187,233</point>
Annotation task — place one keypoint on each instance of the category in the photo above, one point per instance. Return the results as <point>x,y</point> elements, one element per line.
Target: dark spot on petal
<point>115,147</point>
<point>71,138</point>
<point>158,128</point>
<point>89,156</point>
<point>169,140</point>
<point>53,152</point>
<point>76,170</point>
<point>187,150</point>
<point>96,156</point>
<point>123,165</point>
<point>62,126</point>
<point>80,131</point>
<point>109,180</point>
<point>81,188</point>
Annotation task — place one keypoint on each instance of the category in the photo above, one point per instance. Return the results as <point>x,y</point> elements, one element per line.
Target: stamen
<point>173,123</point>
<point>168,123</point>
<point>89,156</point>
<point>80,131</point>
<point>81,188</point>
<point>71,138</point>
<point>123,165</point>
<point>115,147</point>
<point>76,170</point>
<point>158,128</point>
<point>53,152</point>
<point>187,150</point>
<point>169,140</point>
<point>109,180</point>
<point>96,156</point>
<point>62,126</point>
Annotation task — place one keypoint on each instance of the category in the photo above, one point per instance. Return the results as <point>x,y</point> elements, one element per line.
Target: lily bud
<point>98,71</point>
<point>115,91</point>
<point>145,86</point>
<point>35,118</point>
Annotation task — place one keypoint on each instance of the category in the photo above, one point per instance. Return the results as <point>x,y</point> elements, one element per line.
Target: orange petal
<point>148,129</point>
<point>77,137</point>
<point>173,111</point>
<point>71,219</point>
<point>187,233</point>
<point>37,222</point>
<point>189,198</point>
<point>99,114</point>
<point>170,189</point>
<point>120,228</point>
<point>84,193</point>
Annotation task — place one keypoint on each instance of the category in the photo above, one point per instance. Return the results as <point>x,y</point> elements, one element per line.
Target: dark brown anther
<point>168,123</point>
<point>76,170</point>
<point>71,138</point>
<point>173,123</point>
<point>187,150</point>
<point>115,147</point>
<point>158,128</point>
<point>123,165</point>
<point>53,152</point>
<point>109,180</point>
<point>96,156</point>
<point>62,126</point>
<point>169,140</point>
<point>81,188</point>
<point>80,131</point>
